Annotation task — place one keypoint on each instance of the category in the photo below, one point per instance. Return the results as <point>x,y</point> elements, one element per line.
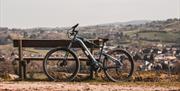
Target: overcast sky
<point>60,13</point>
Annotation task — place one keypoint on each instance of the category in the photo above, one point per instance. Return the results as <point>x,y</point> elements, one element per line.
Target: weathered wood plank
<point>49,43</point>
<point>53,58</point>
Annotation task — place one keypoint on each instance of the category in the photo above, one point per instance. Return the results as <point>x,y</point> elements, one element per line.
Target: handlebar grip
<point>75,26</point>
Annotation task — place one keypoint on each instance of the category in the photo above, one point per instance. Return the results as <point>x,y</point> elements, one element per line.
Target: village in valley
<point>154,46</point>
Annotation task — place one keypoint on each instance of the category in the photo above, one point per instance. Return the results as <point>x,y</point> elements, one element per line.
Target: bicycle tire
<point>114,75</point>
<point>72,70</point>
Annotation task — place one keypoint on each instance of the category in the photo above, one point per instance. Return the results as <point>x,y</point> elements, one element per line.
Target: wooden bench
<point>23,43</point>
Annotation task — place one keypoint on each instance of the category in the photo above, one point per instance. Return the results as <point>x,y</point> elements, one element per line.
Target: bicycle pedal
<point>96,69</point>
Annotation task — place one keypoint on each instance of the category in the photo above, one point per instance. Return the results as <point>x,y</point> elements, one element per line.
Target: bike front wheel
<point>61,64</point>
<point>118,65</point>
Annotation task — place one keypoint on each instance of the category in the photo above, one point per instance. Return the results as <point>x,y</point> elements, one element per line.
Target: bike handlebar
<point>74,32</point>
<point>75,26</point>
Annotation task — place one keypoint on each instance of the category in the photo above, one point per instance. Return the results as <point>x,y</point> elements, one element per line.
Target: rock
<point>11,77</point>
<point>1,79</point>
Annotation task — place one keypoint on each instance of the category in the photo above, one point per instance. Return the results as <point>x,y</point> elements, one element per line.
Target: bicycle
<point>62,64</point>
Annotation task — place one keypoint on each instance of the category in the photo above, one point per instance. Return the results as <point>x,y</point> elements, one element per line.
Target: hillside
<point>158,31</point>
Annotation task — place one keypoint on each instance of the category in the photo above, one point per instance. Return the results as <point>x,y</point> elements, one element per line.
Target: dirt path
<point>77,86</point>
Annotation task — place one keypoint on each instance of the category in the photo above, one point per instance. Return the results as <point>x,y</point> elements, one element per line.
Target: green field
<point>156,36</point>
<point>169,36</point>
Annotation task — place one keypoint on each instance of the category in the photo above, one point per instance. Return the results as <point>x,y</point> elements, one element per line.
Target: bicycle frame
<point>84,48</point>
<point>81,42</point>
<point>89,54</point>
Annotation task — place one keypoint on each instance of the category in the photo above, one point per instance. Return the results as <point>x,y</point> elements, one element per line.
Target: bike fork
<point>66,55</point>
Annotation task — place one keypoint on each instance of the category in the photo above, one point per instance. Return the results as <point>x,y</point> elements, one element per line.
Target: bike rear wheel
<point>118,65</point>
<point>61,64</point>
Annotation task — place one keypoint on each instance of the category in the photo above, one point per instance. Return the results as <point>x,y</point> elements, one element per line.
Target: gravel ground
<point>77,86</point>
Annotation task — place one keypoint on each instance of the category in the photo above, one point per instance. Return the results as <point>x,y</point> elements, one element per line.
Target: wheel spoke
<point>111,67</point>
<point>60,69</point>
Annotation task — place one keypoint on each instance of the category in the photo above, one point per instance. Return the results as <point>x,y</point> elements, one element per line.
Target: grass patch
<point>162,36</point>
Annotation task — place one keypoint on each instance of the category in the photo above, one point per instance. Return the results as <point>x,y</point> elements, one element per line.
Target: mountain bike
<point>62,64</point>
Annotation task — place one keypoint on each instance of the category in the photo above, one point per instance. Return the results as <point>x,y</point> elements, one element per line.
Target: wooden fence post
<point>20,61</point>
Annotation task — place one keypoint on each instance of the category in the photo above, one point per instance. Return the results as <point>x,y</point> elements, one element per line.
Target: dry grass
<point>151,84</point>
